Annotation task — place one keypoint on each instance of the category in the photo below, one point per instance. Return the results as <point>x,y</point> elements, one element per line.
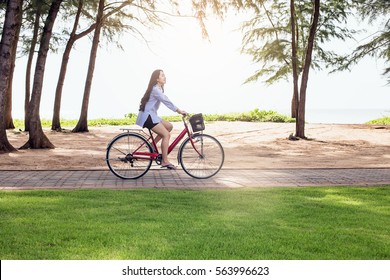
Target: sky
<point>202,76</point>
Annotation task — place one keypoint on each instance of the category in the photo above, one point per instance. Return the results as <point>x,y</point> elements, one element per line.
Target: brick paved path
<point>226,178</point>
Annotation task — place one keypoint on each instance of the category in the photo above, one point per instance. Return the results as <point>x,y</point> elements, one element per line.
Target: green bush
<point>130,118</point>
<point>255,115</point>
<point>251,116</point>
<point>381,121</point>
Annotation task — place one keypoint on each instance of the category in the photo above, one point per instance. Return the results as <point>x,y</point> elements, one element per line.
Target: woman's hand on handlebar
<point>182,112</point>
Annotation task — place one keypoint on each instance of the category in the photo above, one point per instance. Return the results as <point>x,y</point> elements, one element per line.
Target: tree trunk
<point>82,125</point>
<point>56,122</point>
<point>37,139</point>
<point>295,100</point>
<point>8,39</point>
<point>31,53</point>
<point>9,123</point>
<point>300,132</point>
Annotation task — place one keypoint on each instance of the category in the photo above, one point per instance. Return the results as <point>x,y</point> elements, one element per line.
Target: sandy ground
<point>246,145</point>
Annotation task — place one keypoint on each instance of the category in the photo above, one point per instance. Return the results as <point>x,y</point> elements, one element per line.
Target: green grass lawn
<point>265,223</point>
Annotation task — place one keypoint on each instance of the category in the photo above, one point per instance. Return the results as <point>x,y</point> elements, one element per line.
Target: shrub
<point>380,121</point>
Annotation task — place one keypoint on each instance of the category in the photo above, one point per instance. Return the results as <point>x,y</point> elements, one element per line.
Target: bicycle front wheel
<point>128,156</point>
<point>201,156</point>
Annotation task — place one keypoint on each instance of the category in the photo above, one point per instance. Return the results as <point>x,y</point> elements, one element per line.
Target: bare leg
<point>168,126</point>
<point>164,134</point>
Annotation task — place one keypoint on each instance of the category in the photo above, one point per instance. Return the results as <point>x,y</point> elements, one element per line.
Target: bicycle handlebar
<point>183,116</point>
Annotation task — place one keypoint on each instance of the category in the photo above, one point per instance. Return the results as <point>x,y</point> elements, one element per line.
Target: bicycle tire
<point>206,160</point>
<point>120,156</point>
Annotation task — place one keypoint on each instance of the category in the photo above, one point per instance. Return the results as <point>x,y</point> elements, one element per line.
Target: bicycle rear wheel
<point>202,157</point>
<point>127,156</point>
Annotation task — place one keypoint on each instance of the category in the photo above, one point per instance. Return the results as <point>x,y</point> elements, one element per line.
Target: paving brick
<point>226,178</point>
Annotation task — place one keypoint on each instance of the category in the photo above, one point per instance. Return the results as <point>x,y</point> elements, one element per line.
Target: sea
<point>345,116</point>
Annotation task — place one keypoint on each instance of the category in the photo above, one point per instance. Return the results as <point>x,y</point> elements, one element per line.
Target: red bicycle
<point>130,154</point>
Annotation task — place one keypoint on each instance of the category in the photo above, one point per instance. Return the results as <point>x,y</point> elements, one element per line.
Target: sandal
<point>169,166</point>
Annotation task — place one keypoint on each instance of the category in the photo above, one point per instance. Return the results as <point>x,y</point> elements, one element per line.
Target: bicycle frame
<point>176,141</point>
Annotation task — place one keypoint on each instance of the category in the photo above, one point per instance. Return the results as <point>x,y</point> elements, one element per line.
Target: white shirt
<point>156,97</point>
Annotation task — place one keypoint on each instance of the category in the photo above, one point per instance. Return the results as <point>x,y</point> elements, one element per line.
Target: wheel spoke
<point>210,160</point>
<point>120,157</point>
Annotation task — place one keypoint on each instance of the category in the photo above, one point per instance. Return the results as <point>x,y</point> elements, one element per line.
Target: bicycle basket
<point>197,122</point>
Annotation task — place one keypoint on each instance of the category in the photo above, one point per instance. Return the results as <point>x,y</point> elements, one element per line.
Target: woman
<point>147,116</point>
